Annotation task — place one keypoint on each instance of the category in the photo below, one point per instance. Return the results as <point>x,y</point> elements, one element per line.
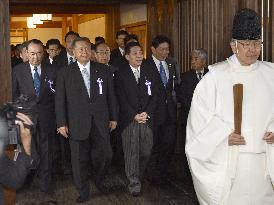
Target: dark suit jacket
<point>60,60</point>
<point>134,98</point>
<point>46,61</point>
<point>75,109</point>
<point>167,105</point>
<point>13,174</point>
<point>188,84</point>
<point>22,83</point>
<point>116,59</point>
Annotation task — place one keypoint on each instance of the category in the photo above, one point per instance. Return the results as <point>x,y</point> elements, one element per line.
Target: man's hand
<point>63,131</point>
<point>112,125</point>
<point>235,139</point>
<point>141,118</point>
<point>24,132</point>
<point>269,137</point>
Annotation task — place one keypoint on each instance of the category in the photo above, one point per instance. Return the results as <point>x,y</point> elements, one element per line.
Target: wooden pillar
<point>112,25</point>
<point>64,29</point>
<point>161,15</point>
<point>74,22</point>
<point>5,64</point>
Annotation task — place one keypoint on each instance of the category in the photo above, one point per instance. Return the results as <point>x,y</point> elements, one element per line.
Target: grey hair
<point>202,53</point>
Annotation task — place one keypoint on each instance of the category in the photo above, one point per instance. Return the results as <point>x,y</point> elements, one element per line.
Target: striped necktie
<point>86,77</point>
<point>36,81</point>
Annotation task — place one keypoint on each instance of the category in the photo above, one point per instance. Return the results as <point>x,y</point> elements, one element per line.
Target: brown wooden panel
<point>89,17</point>
<point>23,24</point>
<point>141,31</point>
<point>208,24</point>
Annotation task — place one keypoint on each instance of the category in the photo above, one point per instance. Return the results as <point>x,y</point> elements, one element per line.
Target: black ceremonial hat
<point>246,25</point>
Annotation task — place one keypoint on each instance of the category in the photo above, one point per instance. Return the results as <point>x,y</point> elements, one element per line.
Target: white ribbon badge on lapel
<point>100,81</point>
<point>148,84</point>
<point>50,82</point>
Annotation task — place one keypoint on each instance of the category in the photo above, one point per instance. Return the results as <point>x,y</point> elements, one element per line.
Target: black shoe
<point>135,194</point>
<point>51,202</point>
<point>102,187</point>
<point>81,200</point>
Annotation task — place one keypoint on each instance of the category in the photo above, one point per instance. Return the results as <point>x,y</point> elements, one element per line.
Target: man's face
<point>69,40</point>
<point>197,63</point>
<point>135,56</point>
<point>24,55</point>
<point>161,52</point>
<point>247,51</point>
<point>120,41</point>
<point>53,50</point>
<point>35,54</point>
<point>103,54</point>
<point>82,52</point>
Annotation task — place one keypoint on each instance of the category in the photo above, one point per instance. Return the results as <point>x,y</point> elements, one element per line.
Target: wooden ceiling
<point>67,6</point>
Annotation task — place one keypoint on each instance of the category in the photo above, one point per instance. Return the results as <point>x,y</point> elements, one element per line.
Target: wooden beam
<point>74,22</point>
<point>60,8</point>
<point>30,15</point>
<point>48,24</point>
<point>93,2</point>
<point>89,17</point>
<point>140,23</point>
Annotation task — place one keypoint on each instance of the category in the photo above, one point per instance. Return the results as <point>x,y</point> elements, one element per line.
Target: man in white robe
<point>227,168</point>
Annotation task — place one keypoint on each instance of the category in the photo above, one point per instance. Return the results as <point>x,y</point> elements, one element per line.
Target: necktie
<point>163,74</point>
<point>70,60</point>
<point>36,81</point>
<point>136,75</point>
<point>86,77</point>
<point>200,75</point>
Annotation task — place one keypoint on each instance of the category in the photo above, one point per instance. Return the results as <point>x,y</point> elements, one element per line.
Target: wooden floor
<point>178,190</point>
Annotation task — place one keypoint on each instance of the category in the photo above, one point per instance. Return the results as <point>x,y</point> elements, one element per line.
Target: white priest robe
<point>214,164</point>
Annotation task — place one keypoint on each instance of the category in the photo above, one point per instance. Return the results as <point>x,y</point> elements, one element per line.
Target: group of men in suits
<point>121,91</point>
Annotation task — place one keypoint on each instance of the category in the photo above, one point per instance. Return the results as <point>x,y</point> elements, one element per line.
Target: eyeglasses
<point>101,53</point>
<point>249,44</point>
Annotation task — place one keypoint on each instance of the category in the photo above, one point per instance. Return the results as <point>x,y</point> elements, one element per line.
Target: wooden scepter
<point>238,100</point>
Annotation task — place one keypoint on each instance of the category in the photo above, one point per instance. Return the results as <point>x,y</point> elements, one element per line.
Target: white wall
<point>93,28</point>
<point>132,13</point>
<point>44,34</point>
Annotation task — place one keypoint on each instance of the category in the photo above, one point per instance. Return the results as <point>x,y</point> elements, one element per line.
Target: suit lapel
<point>27,75</point>
<point>43,80</point>
<point>131,78</point>
<point>171,69</point>
<point>194,76</point>
<point>76,74</point>
<point>94,75</point>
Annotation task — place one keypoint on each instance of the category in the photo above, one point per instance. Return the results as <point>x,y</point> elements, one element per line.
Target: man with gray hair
<point>191,78</point>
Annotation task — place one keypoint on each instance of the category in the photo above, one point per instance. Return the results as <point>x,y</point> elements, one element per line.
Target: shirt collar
<point>69,56</point>
<point>122,51</point>
<point>134,69</point>
<point>87,66</point>
<point>38,68</point>
<point>50,60</point>
<point>201,71</point>
<point>157,62</point>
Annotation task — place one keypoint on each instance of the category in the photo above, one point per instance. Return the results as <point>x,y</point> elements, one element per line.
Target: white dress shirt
<point>157,63</point>
<point>32,70</point>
